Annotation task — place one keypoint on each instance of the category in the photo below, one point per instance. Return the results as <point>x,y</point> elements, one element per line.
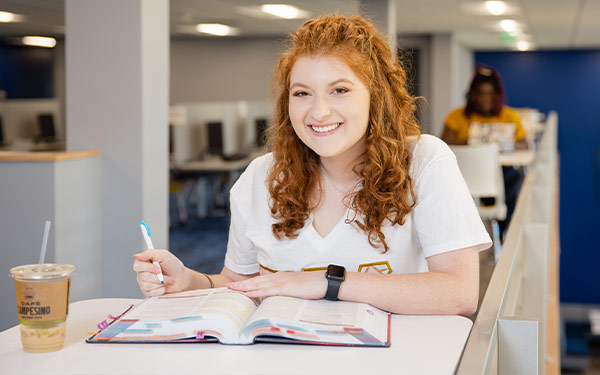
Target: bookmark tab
<point>104,324</point>
<point>200,335</point>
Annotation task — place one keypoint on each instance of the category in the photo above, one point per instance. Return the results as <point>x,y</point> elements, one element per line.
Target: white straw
<point>44,243</point>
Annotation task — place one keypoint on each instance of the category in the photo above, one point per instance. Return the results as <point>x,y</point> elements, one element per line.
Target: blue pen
<point>146,234</point>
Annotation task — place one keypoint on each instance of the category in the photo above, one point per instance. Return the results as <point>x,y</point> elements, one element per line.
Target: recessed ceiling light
<point>523,45</point>
<point>486,8</point>
<point>215,29</point>
<point>7,17</point>
<point>281,10</point>
<point>495,7</point>
<point>508,25</point>
<point>39,41</point>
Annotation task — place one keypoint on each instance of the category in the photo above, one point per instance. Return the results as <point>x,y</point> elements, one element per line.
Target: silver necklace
<point>341,191</point>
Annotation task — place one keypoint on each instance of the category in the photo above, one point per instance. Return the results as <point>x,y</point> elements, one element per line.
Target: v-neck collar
<point>330,236</point>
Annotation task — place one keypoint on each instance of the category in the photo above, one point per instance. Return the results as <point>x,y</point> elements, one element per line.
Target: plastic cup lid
<point>48,271</point>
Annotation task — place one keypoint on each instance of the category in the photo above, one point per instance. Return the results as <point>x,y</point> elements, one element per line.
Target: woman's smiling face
<point>329,106</point>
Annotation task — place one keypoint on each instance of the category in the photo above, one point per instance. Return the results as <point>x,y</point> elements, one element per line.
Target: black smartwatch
<point>335,276</point>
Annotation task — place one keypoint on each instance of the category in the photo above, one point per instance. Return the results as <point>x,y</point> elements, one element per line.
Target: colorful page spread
<point>232,318</point>
<point>219,313</point>
<point>318,322</point>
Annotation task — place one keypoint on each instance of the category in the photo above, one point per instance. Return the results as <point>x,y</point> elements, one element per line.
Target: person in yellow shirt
<point>486,104</point>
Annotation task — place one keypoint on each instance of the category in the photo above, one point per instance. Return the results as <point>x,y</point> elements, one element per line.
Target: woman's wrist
<point>194,280</point>
<point>324,284</point>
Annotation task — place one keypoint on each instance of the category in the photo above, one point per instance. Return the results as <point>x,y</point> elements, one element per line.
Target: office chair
<point>482,172</point>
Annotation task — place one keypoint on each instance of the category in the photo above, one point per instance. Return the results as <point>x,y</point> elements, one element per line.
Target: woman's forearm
<point>199,280</point>
<point>420,293</point>
<point>450,287</point>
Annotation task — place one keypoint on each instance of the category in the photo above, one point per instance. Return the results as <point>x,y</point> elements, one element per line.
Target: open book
<point>229,317</point>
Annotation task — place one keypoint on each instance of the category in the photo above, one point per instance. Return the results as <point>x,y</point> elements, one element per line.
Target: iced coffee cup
<point>42,304</point>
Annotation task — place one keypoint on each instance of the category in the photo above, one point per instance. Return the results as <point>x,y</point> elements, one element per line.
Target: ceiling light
<point>7,17</point>
<point>523,45</point>
<point>215,29</point>
<point>39,41</point>
<point>486,8</point>
<point>508,25</point>
<point>495,7</point>
<point>281,10</point>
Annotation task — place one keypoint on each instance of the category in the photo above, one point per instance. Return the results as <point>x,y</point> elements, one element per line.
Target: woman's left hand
<point>307,285</point>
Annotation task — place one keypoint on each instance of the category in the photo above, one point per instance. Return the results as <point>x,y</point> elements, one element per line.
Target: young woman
<point>352,203</point>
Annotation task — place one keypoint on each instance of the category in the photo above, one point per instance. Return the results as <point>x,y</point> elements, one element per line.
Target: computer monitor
<point>215,138</point>
<point>261,127</point>
<point>46,127</point>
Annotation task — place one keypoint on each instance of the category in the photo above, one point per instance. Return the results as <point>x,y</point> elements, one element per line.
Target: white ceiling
<point>549,24</point>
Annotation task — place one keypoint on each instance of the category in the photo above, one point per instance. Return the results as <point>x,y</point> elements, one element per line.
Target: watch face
<point>336,272</point>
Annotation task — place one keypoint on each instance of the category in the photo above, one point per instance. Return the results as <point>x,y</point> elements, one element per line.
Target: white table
<point>420,345</point>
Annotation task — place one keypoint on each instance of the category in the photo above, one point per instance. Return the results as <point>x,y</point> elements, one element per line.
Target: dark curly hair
<point>485,74</point>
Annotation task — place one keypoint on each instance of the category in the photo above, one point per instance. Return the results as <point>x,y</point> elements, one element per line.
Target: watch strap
<point>333,289</point>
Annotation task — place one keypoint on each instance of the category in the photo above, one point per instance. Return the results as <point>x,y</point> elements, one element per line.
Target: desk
<point>19,156</point>
<point>517,158</point>
<point>420,345</point>
<point>213,165</point>
<point>201,174</point>
<point>210,166</point>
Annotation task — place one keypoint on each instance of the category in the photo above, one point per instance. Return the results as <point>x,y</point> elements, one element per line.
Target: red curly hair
<point>387,191</point>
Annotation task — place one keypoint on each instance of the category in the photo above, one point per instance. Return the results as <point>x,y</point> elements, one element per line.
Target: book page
<point>339,314</point>
<point>286,308</point>
<point>216,312</point>
<point>235,307</point>
<point>170,306</point>
<point>339,322</point>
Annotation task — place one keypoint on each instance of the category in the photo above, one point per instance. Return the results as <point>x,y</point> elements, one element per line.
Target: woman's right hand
<point>174,272</point>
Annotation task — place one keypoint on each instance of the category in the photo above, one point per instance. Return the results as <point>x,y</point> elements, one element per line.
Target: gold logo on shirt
<point>310,269</point>
<point>380,267</point>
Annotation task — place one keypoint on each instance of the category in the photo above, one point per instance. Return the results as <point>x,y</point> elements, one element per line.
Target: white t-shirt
<point>444,219</point>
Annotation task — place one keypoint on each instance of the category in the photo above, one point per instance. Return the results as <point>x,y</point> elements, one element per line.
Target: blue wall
<point>568,82</point>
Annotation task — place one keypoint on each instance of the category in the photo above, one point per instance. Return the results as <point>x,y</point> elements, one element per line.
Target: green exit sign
<point>508,38</point>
